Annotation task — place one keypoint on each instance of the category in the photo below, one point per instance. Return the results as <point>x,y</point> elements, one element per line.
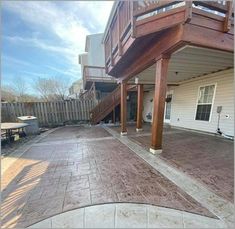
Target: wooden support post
<point>140,94</point>
<point>114,119</point>
<point>159,104</point>
<point>123,108</point>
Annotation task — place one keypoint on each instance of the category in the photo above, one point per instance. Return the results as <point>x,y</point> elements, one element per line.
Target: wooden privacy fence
<point>49,113</point>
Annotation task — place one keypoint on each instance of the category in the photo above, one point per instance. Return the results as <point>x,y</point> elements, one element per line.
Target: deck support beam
<point>140,94</point>
<point>159,104</point>
<point>123,107</point>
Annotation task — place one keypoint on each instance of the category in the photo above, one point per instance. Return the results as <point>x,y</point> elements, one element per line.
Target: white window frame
<point>212,103</point>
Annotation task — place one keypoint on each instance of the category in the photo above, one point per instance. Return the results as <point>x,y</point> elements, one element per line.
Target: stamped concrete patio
<point>207,158</point>
<point>80,166</point>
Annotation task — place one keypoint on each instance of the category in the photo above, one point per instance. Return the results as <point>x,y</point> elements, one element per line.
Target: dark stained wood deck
<point>136,35</point>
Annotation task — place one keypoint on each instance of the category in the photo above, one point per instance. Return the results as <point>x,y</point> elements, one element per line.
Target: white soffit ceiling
<point>190,62</point>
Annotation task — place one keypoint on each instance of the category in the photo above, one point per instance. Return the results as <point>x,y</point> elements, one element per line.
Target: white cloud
<point>39,43</point>
<point>70,71</point>
<point>98,11</point>
<point>67,22</point>
<point>13,61</point>
<point>36,74</point>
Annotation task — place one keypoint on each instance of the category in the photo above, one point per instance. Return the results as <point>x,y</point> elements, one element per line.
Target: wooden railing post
<point>188,12</point>
<point>133,18</point>
<point>111,46</point>
<point>159,104</point>
<point>228,16</point>
<point>119,32</point>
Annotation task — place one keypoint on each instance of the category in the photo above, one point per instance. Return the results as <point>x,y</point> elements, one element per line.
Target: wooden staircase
<point>106,105</point>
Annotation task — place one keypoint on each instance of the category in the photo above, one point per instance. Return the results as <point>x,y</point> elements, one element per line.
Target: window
<point>204,103</point>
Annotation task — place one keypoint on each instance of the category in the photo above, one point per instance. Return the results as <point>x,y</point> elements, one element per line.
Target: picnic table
<point>8,127</point>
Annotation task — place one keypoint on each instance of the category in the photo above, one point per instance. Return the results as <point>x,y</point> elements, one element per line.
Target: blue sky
<point>44,38</point>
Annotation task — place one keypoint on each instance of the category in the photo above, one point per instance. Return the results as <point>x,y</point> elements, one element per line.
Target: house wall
<point>184,103</point>
<point>95,50</point>
<point>94,56</point>
<point>83,60</point>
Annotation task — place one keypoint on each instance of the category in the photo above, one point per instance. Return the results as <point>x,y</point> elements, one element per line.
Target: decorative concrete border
<point>222,208</point>
<point>127,215</point>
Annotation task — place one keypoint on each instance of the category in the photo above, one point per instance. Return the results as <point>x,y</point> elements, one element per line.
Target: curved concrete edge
<point>128,215</point>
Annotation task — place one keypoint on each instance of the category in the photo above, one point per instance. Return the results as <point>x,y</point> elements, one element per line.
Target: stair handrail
<point>105,104</point>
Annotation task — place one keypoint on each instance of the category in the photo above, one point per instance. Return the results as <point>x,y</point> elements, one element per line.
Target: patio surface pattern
<point>54,176</point>
<point>209,159</point>
<point>79,132</point>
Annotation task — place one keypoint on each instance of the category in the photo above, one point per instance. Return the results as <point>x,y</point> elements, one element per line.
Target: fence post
<point>66,110</point>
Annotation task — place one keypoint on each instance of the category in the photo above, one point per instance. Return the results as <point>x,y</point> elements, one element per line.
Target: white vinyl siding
<point>184,103</point>
<point>148,106</point>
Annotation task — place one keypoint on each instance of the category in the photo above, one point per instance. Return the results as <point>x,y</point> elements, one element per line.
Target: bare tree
<point>20,88</point>
<point>61,88</point>
<point>51,88</point>
<point>8,94</point>
<point>43,87</point>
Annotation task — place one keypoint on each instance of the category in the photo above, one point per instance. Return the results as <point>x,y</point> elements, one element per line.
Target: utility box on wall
<point>32,128</point>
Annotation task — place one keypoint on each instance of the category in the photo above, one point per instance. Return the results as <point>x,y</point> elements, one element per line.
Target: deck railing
<point>119,28</point>
<point>154,7</point>
<point>129,14</point>
<point>94,73</point>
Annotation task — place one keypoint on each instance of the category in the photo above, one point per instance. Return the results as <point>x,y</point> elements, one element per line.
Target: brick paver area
<point>53,178</point>
<point>209,159</point>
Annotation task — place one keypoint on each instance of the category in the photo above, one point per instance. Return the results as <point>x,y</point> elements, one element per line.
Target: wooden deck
<point>144,32</point>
